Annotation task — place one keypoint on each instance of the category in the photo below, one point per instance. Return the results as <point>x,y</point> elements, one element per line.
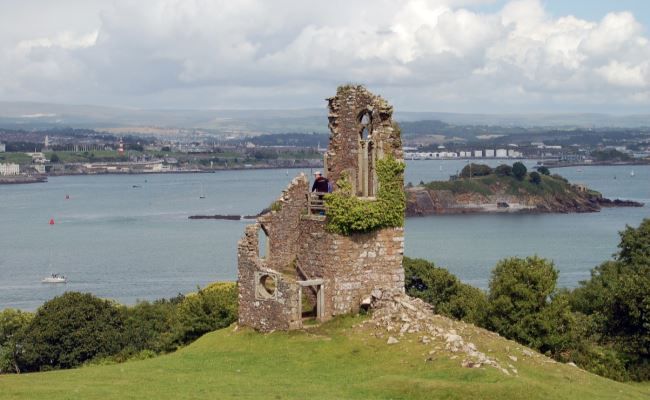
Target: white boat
<point>632,173</point>
<point>55,278</point>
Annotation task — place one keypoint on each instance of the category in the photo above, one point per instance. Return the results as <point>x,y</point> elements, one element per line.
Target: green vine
<point>347,214</point>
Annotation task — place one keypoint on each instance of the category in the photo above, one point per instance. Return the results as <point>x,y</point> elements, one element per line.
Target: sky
<point>465,56</point>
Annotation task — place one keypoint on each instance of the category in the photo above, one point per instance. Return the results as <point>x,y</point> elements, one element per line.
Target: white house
<point>3,147</point>
<point>502,153</point>
<point>9,169</point>
<point>478,153</point>
<point>489,153</point>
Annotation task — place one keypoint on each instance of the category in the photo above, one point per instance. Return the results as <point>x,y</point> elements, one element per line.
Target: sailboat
<point>632,173</point>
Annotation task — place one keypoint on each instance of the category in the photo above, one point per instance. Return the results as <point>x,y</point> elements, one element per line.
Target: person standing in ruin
<point>321,184</point>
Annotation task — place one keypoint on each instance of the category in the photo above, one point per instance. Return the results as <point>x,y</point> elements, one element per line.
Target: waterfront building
<point>478,153</point>
<point>502,153</point>
<point>9,169</point>
<point>489,153</point>
<point>3,147</point>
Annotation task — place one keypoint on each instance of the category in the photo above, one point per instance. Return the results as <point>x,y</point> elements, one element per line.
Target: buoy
<point>51,221</point>
<point>67,197</point>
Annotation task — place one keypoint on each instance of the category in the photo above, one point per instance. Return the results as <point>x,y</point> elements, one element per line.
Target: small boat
<point>202,194</point>
<point>55,278</point>
<point>632,173</point>
<point>136,186</point>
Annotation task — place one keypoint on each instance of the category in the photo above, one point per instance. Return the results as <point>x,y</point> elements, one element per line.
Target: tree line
<point>79,328</point>
<point>602,326</point>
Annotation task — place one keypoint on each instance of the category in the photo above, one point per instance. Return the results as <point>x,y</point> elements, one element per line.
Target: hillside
<point>350,358</point>
<point>493,193</point>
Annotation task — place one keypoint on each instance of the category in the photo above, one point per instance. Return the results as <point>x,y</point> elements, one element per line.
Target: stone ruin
<point>290,267</point>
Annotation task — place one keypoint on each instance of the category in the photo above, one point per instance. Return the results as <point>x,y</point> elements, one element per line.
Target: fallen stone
<point>392,340</point>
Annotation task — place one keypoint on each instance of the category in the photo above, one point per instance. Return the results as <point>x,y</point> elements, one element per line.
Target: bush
<point>503,170</point>
<point>519,170</point>
<point>520,291</point>
<point>544,170</point>
<point>472,170</point>
<point>347,214</point>
<point>444,291</point>
<point>535,178</point>
<point>150,326</point>
<point>211,308</point>
<point>69,330</point>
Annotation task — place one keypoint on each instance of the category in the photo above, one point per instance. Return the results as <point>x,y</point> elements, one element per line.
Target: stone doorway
<point>311,291</point>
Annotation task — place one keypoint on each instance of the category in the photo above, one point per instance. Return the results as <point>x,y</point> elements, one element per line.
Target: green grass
<point>336,361</point>
<point>16,158</point>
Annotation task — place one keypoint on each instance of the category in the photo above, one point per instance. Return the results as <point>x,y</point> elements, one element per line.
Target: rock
<point>527,353</point>
<point>513,358</point>
<point>392,340</point>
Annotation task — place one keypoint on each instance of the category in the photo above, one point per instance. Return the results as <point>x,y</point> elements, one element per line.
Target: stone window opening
<point>266,285</point>
<point>366,181</point>
<point>263,244</point>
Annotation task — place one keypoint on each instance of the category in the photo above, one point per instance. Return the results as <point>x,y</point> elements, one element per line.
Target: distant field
<point>336,361</point>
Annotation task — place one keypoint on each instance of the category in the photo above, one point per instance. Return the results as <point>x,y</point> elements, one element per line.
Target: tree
<point>618,298</point>
<point>535,178</point>
<point>503,170</point>
<point>55,158</point>
<point>69,330</point>
<point>520,292</point>
<point>12,323</point>
<point>444,291</point>
<point>472,170</point>
<point>519,170</point>
<point>543,170</point>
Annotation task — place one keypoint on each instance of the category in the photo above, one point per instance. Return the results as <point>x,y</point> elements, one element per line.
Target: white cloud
<point>428,54</point>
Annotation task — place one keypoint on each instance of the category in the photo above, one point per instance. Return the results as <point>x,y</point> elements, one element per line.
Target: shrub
<point>520,291</point>
<point>347,214</point>
<point>211,308</point>
<point>519,170</point>
<point>444,291</point>
<point>535,178</point>
<point>503,170</point>
<point>150,326</point>
<point>543,170</point>
<point>472,170</point>
<point>617,298</point>
<point>69,330</point>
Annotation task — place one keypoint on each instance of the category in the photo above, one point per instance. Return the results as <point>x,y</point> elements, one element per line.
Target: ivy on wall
<point>348,214</point>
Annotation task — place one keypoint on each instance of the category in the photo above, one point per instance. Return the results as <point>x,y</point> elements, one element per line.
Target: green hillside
<point>343,359</point>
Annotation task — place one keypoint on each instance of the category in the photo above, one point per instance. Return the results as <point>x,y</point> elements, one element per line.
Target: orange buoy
<point>51,221</point>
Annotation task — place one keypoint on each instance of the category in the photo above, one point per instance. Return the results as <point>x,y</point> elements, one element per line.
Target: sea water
<point>127,237</point>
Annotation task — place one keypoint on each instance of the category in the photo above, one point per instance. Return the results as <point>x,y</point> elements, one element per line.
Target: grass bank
<point>340,360</point>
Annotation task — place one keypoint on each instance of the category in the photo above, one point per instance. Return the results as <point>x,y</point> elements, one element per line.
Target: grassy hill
<point>343,359</point>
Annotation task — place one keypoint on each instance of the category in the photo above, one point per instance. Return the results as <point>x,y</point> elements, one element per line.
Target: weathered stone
<point>343,272</point>
<point>392,340</point>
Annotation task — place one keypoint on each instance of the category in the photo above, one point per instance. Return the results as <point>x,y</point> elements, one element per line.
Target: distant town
<point>32,155</point>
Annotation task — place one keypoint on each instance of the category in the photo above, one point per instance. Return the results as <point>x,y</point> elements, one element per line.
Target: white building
<point>502,153</point>
<point>489,153</point>
<point>3,147</point>
<point>514,153</point>
<point>9,169</point>
<point>478,153</point>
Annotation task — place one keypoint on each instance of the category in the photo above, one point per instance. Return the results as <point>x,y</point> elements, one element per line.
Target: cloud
<point>441,55</point>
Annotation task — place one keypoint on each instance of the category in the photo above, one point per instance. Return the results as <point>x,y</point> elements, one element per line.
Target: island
<point>505,189</point>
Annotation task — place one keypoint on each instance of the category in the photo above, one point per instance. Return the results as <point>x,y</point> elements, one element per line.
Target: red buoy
<point>51,221</point>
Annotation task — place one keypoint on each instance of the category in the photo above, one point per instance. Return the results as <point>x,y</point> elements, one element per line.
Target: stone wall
<point>277,311</point>
<point>352,266</point>
<point>302,254</point>
<point>352,110</point>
